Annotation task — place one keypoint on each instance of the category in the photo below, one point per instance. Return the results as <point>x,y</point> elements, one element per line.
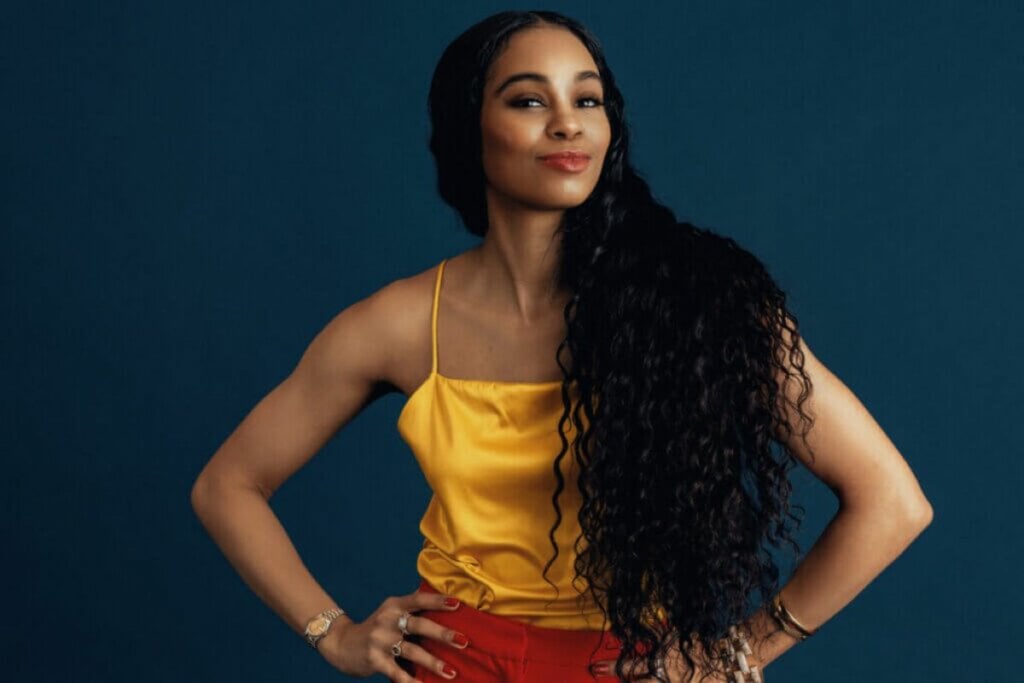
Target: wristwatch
<point>318,626</point>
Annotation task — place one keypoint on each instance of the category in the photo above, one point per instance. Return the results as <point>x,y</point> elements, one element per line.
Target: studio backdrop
<point>192,190</point>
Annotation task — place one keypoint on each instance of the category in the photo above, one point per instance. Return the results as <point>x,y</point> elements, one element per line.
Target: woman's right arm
<point>334,379</point>
<point>346,367</point>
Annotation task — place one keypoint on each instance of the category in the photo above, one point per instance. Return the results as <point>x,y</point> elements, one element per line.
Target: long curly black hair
<point>682,350</point>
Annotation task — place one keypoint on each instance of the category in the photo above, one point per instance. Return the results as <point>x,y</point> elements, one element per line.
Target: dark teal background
<point>191,190</point>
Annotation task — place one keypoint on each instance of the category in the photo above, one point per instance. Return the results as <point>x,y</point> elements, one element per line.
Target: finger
<point>632,670</point>
<point>389,667</point>
<point>414,602</point>
<point>415,653</point>
<point>425,626</point>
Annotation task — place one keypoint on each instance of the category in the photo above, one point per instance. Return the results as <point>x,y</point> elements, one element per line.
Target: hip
<point>502,649</point>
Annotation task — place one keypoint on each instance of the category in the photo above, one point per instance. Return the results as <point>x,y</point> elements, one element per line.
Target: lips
<point>566,156</point>
<point>572,162</point>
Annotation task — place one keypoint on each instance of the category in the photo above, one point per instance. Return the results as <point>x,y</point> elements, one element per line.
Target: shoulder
<point>401,311</point>
<point>372,340</point>
<point>683,255</point>
<point>724,264</point>
<point>718,250</point>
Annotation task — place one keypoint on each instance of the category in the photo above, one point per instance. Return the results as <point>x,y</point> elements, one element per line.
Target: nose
<point>564,123</point>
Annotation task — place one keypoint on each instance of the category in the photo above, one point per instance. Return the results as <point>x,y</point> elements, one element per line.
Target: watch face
<point>318,626</point>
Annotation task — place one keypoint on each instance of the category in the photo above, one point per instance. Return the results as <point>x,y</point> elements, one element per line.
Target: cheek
<point>507,142</point>
<point>507,152</point>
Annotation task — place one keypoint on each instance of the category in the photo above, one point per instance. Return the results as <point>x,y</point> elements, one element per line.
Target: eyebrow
<point>541,78</point>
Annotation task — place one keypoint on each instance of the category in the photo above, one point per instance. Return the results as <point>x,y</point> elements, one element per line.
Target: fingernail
<point>460,640</point>
<point>451,602</point>
<point>448,671</point>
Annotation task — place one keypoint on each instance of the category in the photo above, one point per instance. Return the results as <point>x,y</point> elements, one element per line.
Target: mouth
<point>574,155</point>
<point>572,162</point>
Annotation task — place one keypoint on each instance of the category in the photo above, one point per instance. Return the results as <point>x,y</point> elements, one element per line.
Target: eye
<point>522,103</point>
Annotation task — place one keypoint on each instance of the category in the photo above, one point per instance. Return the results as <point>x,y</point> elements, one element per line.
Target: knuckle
<point>381,639</point>
<point>378,660</point>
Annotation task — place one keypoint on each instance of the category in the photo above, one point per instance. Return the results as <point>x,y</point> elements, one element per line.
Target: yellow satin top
<point>487,450</point>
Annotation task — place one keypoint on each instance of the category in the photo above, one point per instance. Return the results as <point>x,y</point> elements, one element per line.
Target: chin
<point>553,197</point>
<point>566,199</point>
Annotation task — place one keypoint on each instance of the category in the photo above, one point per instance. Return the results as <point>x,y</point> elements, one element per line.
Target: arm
<point>882,508</point>
<point>338,374</point>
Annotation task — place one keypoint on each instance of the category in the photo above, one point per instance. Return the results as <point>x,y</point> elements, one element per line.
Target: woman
<point>615,488</point>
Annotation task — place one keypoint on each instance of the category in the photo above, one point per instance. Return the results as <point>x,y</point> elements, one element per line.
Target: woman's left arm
<point>882,508</point>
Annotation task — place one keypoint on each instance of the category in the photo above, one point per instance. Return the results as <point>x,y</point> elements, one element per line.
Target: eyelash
<point>518,103</point>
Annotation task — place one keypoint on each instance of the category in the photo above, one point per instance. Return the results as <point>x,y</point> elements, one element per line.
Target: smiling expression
<point>543,95</point>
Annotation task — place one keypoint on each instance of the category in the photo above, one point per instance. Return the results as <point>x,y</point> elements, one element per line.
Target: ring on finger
<point>403,622</point>
<point>396,649</point>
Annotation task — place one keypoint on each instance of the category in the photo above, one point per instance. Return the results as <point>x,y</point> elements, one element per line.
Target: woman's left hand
<point>676,670</point>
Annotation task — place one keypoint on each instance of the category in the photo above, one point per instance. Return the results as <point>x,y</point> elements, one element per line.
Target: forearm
<point>247,531</point>
<point>855,547</point>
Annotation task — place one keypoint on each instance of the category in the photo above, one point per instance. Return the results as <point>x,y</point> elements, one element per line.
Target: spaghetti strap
<point>433,317</point>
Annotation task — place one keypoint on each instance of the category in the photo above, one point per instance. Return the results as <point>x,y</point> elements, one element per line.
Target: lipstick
<point>570,162</point>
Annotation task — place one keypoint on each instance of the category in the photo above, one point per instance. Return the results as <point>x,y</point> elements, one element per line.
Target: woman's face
<point>556,106</point>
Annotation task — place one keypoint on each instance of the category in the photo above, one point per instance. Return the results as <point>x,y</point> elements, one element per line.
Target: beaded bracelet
<point>736,650</point>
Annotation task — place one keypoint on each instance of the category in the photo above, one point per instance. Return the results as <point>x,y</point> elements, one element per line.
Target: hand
<point>362,649</point>
<point>677,670</point>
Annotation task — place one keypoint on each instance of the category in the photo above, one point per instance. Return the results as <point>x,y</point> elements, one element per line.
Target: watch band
<point>318,626</point>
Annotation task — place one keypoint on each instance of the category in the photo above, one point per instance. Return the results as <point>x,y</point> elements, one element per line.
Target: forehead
<point>556,52</point>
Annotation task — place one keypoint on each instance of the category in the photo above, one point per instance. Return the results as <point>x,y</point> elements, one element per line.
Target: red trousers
<point>503,650</point>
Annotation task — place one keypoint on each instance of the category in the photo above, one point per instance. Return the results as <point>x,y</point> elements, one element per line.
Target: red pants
<point>503,650</point>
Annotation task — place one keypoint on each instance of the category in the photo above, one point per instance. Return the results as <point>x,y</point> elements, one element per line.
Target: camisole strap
<point>433,315</point>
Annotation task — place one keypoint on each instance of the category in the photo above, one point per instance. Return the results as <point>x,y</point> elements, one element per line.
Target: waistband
<point>496,634</point>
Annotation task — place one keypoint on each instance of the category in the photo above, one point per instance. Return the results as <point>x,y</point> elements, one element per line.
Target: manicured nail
<point>448,671</point>
<point>451,602</point>
<point>460,640</point>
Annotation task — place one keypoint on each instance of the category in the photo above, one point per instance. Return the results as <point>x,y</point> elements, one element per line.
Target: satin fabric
<point>487,450</point>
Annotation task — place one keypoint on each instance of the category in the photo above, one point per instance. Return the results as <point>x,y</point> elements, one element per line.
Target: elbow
<point>199,495</point>
<point>206,490</point>
<point>922,513</point>
<point>908,512</point>
<point>209,491</point>
<point>915,513</point>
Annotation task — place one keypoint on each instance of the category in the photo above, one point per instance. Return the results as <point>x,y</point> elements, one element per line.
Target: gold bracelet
<point>787,621</point>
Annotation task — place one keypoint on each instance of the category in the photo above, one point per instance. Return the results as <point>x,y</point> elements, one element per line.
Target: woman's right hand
<point>362,649</point>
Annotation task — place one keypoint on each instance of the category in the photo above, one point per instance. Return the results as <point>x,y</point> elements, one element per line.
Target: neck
<point>518,260</point>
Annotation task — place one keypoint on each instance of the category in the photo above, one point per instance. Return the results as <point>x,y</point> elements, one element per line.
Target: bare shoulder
<point>401,311</point>
<point>381,339</point>
<point>367,350</point>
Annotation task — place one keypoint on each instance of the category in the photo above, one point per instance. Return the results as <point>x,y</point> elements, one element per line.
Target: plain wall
<point>191,190</point>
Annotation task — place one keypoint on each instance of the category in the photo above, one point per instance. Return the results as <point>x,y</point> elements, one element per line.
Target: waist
<point>493,633</point>
<point>517,590</point>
